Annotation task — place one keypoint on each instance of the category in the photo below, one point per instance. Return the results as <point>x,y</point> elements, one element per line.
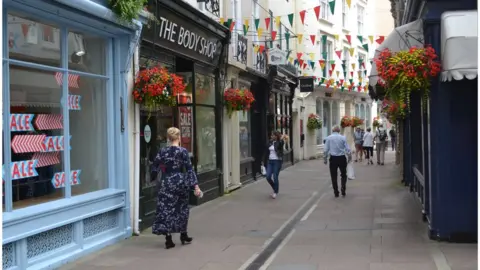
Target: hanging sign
<point>74,102</point>
<point>277,57</point>
<point>58,179</point>
<point>306,84</point>
<point>21,122</point>
<point>22,169</point>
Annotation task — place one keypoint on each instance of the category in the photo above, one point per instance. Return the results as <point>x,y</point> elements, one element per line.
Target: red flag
<point>300,61</point>
<point>232,25</point>
<point>261,48</point>
<point>274,35</point>
<point>333,67</point>
<point>317,11</point>
<point>304,65</point>
<point>349,38</point>
<point>299,55</point>
<point>312,37</point>
<point>302,16</point>
<point>267,22</point>
<point>380,39</point>
<point>327,85</point>
<point>322,63</point>
<point>330,72</point>
<point>341,81</point>
<point>339,54</point>
<point>351,73</point>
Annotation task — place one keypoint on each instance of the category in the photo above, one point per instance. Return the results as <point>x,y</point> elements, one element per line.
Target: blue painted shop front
<point>440,147</point>
<point>65,68</point>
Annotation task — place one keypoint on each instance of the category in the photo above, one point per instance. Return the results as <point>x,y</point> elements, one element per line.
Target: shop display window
<point>245,135</point>
<point>56,112</point>
<point>206,139</point>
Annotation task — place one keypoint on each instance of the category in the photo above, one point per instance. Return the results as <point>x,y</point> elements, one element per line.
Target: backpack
<point>382,135</point>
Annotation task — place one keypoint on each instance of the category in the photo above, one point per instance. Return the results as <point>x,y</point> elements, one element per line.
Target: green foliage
<point>127,10</point>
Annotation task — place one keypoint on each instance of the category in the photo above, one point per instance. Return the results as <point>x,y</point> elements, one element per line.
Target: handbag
<point>263,170</point>
<point>350,171</point>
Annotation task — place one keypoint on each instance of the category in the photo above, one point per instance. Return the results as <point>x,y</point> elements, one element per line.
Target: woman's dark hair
<point>369,129</point>
<point>278,135</point>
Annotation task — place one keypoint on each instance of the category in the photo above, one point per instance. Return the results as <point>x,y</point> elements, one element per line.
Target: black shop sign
<point>306,84</point>
<point>184,37</point>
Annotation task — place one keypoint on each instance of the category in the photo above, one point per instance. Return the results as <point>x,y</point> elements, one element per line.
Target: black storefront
<point>192,45</point>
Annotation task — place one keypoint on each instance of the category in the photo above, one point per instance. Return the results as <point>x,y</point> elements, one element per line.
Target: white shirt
<point>273,153</point>
<point>368,139</point>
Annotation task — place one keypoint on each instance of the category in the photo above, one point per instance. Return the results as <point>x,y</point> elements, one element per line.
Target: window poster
<point>185,126</point>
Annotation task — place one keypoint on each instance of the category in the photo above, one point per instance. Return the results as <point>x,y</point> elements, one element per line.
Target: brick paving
<point>376,227</point>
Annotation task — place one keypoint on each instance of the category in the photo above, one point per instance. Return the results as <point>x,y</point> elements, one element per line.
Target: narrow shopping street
<point>377,226</point>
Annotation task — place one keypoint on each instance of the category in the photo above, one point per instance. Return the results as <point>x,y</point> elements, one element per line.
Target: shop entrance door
<point>153,131</point>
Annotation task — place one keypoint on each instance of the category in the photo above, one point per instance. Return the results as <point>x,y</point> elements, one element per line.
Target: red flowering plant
<point>356,122</point>
<point>406,71</point>
<point>314,122</point>
<point>156,86</point>
<point>238,100</point>
<point>346,121</point>
<point>393,111</point>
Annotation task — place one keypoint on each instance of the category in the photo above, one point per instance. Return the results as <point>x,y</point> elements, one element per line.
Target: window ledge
<point>325,21</point>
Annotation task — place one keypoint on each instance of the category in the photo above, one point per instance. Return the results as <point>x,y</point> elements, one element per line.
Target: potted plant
<point>356,122</point>
<point>238,100</point>
<point>156,87</point>
<point>346,121</point>
<point>314,122</point>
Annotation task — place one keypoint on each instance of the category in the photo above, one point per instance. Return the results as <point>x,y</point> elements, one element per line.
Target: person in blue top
<point>336,147</point>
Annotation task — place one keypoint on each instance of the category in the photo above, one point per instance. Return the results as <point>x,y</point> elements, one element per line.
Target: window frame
<point>344,14</point>
<point>360,19</point>
<point>324,10</point>
<point>114,148</point>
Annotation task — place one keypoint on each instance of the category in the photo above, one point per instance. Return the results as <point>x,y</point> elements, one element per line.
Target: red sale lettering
<point>19,123</point>
<point>13,122</point>
<point>50,144</point>
<point>30,166</point>
<point>74,176</point>
<point>27,122</point>
<point>16,171</point>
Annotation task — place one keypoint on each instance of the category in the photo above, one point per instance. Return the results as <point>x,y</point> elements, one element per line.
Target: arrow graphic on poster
<point>72,80</point>
<point>21,169</point>
<point>49,121</point>
<point>27,143</point>
<point>53,144</point>
<point>47,159</point>
<point>58,179</point>
<point>21,122</point>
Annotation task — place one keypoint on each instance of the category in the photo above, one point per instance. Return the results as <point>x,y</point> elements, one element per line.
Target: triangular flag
<point>338,73</point>
<point>259,32</point>
<point>304,65</point>
<point>267,23</point>
<point>290,59</point>
<point>228,23</point>
<point>255,48</point>
<point>353,66</point>
<point>330,72</point>
<point>324,39</point>
<point>257,23</point>
<point>365,46</point>
<point>290,19</point>
<point>302,16</point>
<point>274,35</point>
<point>322,63</point>
<point>324,55</point>
<point>322,80</point>
<point>287,38</point>
<point>295,62</point>
<point>332,62</point>
<point>349,3</point>
<point>299,55</point>
<point>312,64</point>
<point>359,74</point>
<point>341,81</point>
<point>317,11</point>
<point>300,38</point>
<point>360,79</point>
<point>333,66</point>
<point>349,39</point>
<point>312,56</point>
<point>352,51</point>
<point>337,37</point>
<point>222,21</point>
<point>345,74</point>
<point>351,80</point>
<point>261,48</point>
<point>370,38</point>
<point>360,38</point>
<point>278,21</point>
<point>332,6</point>
<point>365,72</point>
<point>301,62</point>
<point>312,38</point>
<point>247,22</point>
<point>232,25</point>
<point>380,39</point>
<point>339,54</point>
<point>245,29</point>
<point>351,75</point>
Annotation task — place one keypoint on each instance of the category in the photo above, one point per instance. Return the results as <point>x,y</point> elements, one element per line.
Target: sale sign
<point>74,102</point>
<point>185,119</point>
<point>22,169</point>
<point>53,143</point>
<point>49,121</point>
<point>21,122</point>
<point>58,179</point>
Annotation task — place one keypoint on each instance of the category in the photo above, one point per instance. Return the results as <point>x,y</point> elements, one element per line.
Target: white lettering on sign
<point>186,38</point>
<point>58,179</point>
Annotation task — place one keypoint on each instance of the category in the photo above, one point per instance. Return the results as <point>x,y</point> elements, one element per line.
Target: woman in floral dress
<point>173,195</point>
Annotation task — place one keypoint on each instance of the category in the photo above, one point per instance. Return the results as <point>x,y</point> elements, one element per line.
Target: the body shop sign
<point>306,84</point>
<point>183,36</point>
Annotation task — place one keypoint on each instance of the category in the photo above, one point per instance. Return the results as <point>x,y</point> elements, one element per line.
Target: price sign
<point>21,122</point>
<point>22,169</point>
<point>58,179</point>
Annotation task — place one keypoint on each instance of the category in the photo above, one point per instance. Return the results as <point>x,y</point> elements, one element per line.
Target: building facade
<point>66,185</point>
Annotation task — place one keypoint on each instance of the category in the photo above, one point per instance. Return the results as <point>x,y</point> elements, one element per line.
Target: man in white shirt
<point>381,137</point>
<point>336,147</point>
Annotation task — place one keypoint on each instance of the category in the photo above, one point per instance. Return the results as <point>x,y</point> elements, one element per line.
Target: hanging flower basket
<point>156,87</point>
<point>393,111</point>
<point>314,122</point>
<point>356,122</point>
<point>376,123</point>
<point>346,121</point>
<point>406,71</point>
<point>238,100</point>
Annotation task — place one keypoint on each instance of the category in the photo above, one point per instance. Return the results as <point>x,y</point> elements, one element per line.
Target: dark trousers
<point>273,170</point>
<point>394,140</point>
<point>369,151</point>
<point>339,162</point>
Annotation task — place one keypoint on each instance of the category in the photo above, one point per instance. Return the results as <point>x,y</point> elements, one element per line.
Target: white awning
<point>459,45</point>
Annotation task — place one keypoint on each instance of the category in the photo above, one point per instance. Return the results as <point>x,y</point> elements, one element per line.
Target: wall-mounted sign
<point>184,36</point>
<point>306,84</point>
<point>147,133</point>
<point>277,57</point>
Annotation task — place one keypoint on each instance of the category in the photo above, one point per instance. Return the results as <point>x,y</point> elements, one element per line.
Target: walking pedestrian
<point>336,147</point>
<point>173,195</point>
<point>381,143</point>
<point>274,164</point>
<point>358,139</point>
<point>393,138</point>
<point>368,146</point>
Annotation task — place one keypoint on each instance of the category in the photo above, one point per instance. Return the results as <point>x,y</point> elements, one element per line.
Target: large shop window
<point>50,102</point>
<point>244,123</point>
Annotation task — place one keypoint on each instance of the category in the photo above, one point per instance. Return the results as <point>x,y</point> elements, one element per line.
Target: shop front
<point>65,185</point>
<point>189,44</point>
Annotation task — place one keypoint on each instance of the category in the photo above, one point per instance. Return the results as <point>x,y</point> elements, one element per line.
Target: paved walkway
<point>376,227</point>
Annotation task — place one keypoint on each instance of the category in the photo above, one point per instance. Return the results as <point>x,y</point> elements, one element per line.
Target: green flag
<point>324,55</point>
<point>324,39</point>
<point>322,80</point>
<point>351,81</point>
<point>365,72</point>
<point>342,88</point>
<point>245,29</point>
<point>365,46</point>
<point>332,6</point>
<point>360,38</point>
<point>287,38</point>
<point>332,62</point>
<point>312,64</point>
<point>290,19</point>
<point>360,61</point>
<point>257,22</point>
<point>345,74</point>
<point>228,23</point>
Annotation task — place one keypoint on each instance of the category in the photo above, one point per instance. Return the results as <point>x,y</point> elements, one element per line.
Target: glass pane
<point>206,147</point>
<point>33,41</point>
<point>185,124</point>
<point>86,52</point>
<point>88,131</point>
<point>37,140</point>
<point>205,89</point>
<point>244,121</point>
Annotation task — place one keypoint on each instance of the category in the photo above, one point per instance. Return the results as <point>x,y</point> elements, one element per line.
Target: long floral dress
<point>173,195</point>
